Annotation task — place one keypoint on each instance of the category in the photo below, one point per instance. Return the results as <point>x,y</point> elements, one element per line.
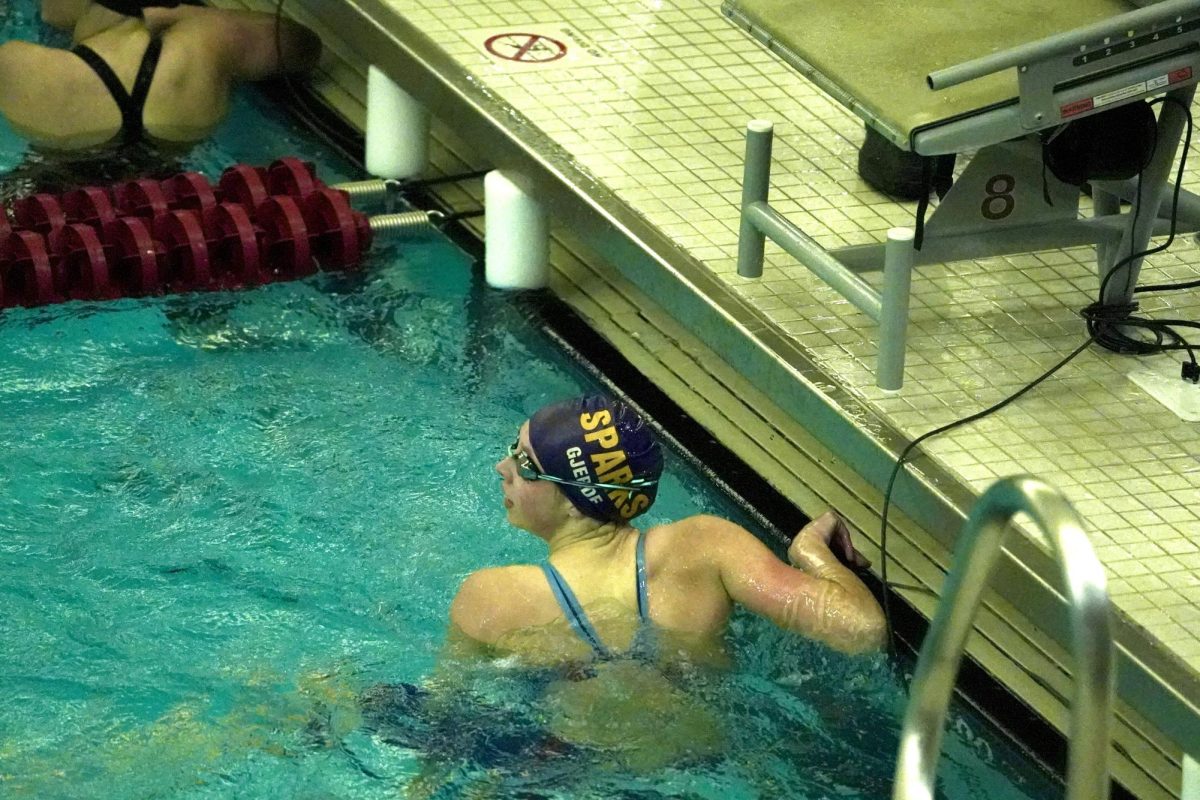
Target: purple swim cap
<point>598,440</point>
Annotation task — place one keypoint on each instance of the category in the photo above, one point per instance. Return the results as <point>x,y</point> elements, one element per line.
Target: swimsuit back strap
<point>130,106</point>
<point>134,8</point>
<point>141,87</point>
<point>110,79</point>
<point>643,597</point>
<point>573,610</point>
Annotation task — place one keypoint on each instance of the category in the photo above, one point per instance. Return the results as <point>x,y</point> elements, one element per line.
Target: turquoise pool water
<point>222,516</point>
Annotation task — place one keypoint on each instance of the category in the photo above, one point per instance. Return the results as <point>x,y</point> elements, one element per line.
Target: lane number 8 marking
<point>999,202</point>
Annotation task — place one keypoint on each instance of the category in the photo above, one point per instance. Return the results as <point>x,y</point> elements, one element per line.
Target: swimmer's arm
<point>818,597</point>
<point>61,14</point>
<point>23,99</point>
<point>812,550</point>
<point>13,54</point>
<point>245,41</point>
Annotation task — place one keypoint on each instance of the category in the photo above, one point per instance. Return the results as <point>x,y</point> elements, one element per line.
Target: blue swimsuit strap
<point>643,598</point>
<point>573,609</point>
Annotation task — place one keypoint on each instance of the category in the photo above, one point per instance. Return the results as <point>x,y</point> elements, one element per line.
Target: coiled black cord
<point>1111,324</point>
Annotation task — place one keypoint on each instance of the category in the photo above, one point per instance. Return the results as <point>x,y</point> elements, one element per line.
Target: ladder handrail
<point>1087,599</point>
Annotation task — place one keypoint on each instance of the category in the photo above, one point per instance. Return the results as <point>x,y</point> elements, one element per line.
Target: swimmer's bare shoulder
<point>690,560</point>
<point>700,549</point>
<point>247,45</point>
<point>494,601</point>
<point>41,91</point>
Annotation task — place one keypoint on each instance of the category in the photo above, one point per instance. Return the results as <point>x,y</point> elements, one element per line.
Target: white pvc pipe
<point>397,129</point>
<point>516,234</point>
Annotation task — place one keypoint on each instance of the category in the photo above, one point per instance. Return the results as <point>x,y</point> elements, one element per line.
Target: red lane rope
<point>142,237</point>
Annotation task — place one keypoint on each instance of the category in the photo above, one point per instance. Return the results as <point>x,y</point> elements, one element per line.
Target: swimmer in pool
<point>576,476</point>
<point>630,618</point>
<point>158,71</point>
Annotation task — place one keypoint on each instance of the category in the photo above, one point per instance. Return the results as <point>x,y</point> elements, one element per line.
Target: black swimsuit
<point>133,8</point>
<point>130,104</point>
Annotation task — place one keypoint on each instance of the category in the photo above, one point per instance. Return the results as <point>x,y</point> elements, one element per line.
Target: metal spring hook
<point>406,223</point>
<point>370,189</point>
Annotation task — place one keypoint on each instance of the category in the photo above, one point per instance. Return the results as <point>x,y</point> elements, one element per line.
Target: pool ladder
<point>1087,598</point>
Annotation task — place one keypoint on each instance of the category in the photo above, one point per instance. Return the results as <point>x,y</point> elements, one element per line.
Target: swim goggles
<point>529,472</point>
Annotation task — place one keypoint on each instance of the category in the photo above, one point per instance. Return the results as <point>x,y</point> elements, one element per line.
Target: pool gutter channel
<point>755,410</point>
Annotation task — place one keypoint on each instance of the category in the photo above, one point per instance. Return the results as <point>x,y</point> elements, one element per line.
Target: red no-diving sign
<point>528,48</point>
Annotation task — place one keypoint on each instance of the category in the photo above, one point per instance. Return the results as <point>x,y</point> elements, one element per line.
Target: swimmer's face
<point>535,505</point>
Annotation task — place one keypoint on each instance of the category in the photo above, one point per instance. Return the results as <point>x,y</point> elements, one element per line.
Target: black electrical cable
<point>333,135</point>
<point>1102,321</point>
<point>461,215</point>
<point>422,183</point>
<point>1167,287</point>
<point>887,495</point>
<point>1108,323</point>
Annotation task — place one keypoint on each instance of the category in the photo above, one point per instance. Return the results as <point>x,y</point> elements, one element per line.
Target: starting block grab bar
<point>1070,75</point>
<point>1136,31</point>
<point>889,307</point>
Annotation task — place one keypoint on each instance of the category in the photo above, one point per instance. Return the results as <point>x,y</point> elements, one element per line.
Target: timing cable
<point>1108,323</point>
<point>1103,325</point>
<point>887,496</point>
<point>335,135</point>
